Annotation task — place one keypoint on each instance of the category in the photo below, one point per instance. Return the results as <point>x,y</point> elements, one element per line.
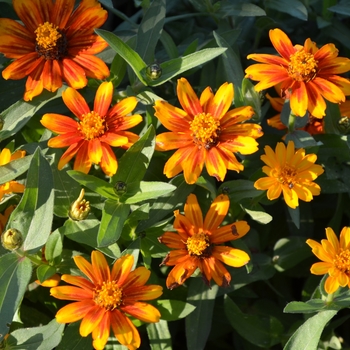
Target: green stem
<point>34,260</point>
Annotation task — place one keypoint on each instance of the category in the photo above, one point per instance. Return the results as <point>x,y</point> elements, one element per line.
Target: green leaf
<point>43,272</point>
<point>172,310</point>
<point>239,189</point>
<point>17,115</point>
<point>150,29</point>
<point>343,8</point>
<point>129,55</point>
<point>135,161</point>
<point>242,9</point>
<point>159,335</point>
<point>36,338</point>
<point>198,323</point>
<point>307,336</point>
<point>105,189</point>
<point>53,248</point>
<point>15,273</point>
<point>267,329</point>
<point>311,306</point>
<point>72,339</point>
<point>259,216</point>
<point>113,217</point>
<point>15,168</point>
<point>169,45</point>
<point>294,8</point>
<point>33,215</point>
<point>232,63</point>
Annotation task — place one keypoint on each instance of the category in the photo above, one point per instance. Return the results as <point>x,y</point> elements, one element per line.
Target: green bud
<point>120,188</point>
<point>11,239</point>
<point>154,71</point>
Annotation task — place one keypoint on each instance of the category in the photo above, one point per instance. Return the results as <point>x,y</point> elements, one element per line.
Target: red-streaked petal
<point>188,98</point>
<point>122,108</point>
<point>217,270</point>
<point>299,99</point>
<point>95,150</point>
<point>100,267</point>
<point>193,211</point>
<point>113,139</point>
<point>328,90</point>
<point>206,98</point>
<point>91,320</point>
<point>82,159</point>
<point>174,165</point>
<point>71,293</point>
<point>75,102</point>
<point>193,165</point>
<point>124,330</point>
<point>75,311</point>
<point>142,311</point>
<point>215,164</point>
<point>100,333</point>
<point>15,47</point>
<point>183,225</point>
<point>11,28</point>
<point>281,43</point>
<point>90,44</point>
<point>103,98</point>
<point>173,140</point>
<point>86,268</point>
<point>122,268</point>
<point>231,256</point>
<point>62,9</point>
<point>123,123</point>
<point>69,154</point>
<point>78,281</point>
<point>136,279</point>
<point>58,123</point>
<point>180,272</point>
<point>142,292</point>
<point>221,102</point>
<point>93,66</point>
<point>29,13</point>
<point>217,212</point>
<point>23,66</point>
<point>172,240</point>
<point>269,59</point>
<point>51,75</point>
<point>109,163</point>
<point>34,83</point>
<point>73,73</point>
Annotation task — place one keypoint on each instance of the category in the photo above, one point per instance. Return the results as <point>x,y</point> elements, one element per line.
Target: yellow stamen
<point>286,176</point>
<point>92,126</point>
<point>342,261</point>
<point>302,66</point>
<point>47,35</point>
<point>109,295</point>
<point>197,244</point>
<point>205,130</point>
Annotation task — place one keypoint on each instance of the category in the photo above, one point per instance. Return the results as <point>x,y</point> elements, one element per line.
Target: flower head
<point>103,298</point>
<point>55,43</point>
<point>204,132</point>
<point>80,208</point>
<point>197,243</point>
<point>291,172</point>
<point>307,74</point>
<point>91,137</point>
<point>335,257</point>
<point>11,186</point>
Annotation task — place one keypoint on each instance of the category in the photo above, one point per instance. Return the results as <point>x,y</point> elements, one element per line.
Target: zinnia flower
<point>90,138</point>
<point>11,186</point>
<point>291,172</point>
<point>104,297</point>
<point>335,257</point>
<point>308,75</point>
<point>205,132</point>
<point>197,243</point>
<point>54,43</point>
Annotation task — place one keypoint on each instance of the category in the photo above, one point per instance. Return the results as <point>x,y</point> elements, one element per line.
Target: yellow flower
<point>197,243</point>
<point>307,74</point>
<point>11,186</point>
<point>205,132</point>
<point>103,299</point>
<point>291,172</point>
<point>335,257</point>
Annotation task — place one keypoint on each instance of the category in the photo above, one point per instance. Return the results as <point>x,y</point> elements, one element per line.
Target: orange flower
<point>11,186</point>
<point>91,138</point>
<point>55,43</point>
<point>308,75</point>
<point>104,297</point>
<point>335,257</point>
<point>291,172</point>
<point>197,243</point>
<point>205,132</point>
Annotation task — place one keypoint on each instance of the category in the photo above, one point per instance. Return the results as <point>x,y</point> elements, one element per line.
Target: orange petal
<point>183,225</point>
<point>231,256</point>
<point>216,270</point>
<point>188,98</point>
<point>91,320</point>
<point>93,66</point>
<point>109,163</point>
<point>172,240</point>
<point>34,83</point>
<point>142,311</point>
<point>221,102</point>
<point>331,285</point>
<point>78,281</point>
<point>215,164</point>
<point>124,123</point>
<point>100,333</point>
<point>51,75</point>
<point>122,268</point>
<point>91,44</point>
<point>73,73</point>
<point>328,90</point>
<point>95,150</point>
<point>75,311</point>
<point>62,9</point>
<point>345,237</point>
<point>75,102</point>
<point>58,123</point>
<point>193,164</point>
<point>82,159</point>
<point>124,330</point>
<point>68,154</point>
<point>122,108</point>
<point>179,274</point>
<point>29,13</point>
<point>86,268</point>
<point>193,212</point>
<point>173,140</point>
<point>320,268</point>
<point>113,139</point>
<point>299,99</point>
<point>71,293</point>
<point>217,212</point>
<point>281,43</point>
<point>174,165</point>
<point>103,98</point>
<point>269,59</point>
<point>136,279</point>
<point>14,46</point>
<point>229,232</point>
<point>148,292</point>
<point>100,267</point>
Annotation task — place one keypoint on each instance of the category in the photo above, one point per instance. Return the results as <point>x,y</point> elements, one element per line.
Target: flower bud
<point>11,239</point>
<point>120,188</point>
<point>79,209</point>
<point>2,122</point>
<point>154,71</point>
<point>344,125</point>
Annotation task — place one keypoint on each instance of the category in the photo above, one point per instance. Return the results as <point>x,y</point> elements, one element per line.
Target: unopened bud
<point>80,209</point>
<point>11,239</point>
<point>120,188</point>
<point>154,71</point>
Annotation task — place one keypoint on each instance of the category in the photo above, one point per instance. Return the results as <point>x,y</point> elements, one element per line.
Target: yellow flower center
<point>302,66</point>
<point>92,126</point>
<point>51,42</point>
<point>108,296</point>
<point>342,261</point>
<point>205,130</point>
<point>286,176</point>
<point>198,244</point>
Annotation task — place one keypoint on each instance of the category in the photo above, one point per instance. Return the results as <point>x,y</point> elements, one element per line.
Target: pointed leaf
<point>159,335</point>
<point>15,168</point>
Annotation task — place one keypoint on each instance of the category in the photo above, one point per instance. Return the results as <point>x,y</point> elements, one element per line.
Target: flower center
<point>92,125</point>
<point>302,66</point>
<point>205,130</point>
<point>342,261</point>
<point>198,244</point>
<point>108,296</point>
<point>286,176</point>
<point>51,42</point>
